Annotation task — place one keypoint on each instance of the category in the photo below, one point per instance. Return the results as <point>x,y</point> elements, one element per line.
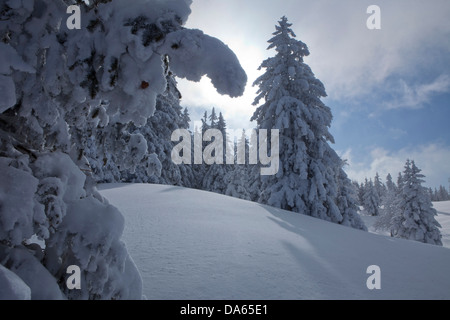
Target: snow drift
<point>191,244</point>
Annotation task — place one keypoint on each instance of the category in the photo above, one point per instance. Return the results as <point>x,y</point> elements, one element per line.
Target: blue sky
<point>388,89</point>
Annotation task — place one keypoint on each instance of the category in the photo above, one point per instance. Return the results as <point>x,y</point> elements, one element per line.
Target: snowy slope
<point>443,217</point>
<point>190,244</point>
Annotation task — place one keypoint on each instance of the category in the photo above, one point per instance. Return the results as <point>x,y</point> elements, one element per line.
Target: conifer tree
<point>213,119</point>
<point>442,194</point>
<point>359,192</point>
<point>388,204</point>
<point>204,120</point>
<point>430,192</point>
<point>185,118</point>
<point>306,181</point>
<point>415,219</point>
<point>237,177</point>
<point>214,176</point>
<point>371,200</point>
<point>380,188</point>
<point>61,87</point>
<point>347,201</point>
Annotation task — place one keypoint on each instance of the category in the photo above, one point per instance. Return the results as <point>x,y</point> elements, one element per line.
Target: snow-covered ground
<point>191,244</point>
<point>443,217</point>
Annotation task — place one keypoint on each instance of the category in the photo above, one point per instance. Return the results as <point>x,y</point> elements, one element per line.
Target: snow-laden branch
<point>194,54</point>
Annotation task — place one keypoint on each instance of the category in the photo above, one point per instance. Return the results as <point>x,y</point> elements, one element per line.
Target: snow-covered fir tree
<point>254,171</point>
<point>58,87</point>
<point>443,194</point>
<point>237,178</point>
<point>213,119</point>
<point>198,169</point>
<point>204,120</point>
<point>359,192</point>
<point>371,200</point>
<point>221,125</point>
<point>415,219</point>
<point>213,178</point>
<point>347,201</point>
<point>440,194</point>
<point>185,118</point>
<point>306,181</point>
<point>388,205</point>
<point>380,188</point>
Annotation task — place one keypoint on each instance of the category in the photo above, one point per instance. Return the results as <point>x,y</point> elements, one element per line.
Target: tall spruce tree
<point>306,181</point>
<point>347,201</point>
<point>359,192</point>
<point>237,177</point>
<point>214,175</point>
<point>213,118</point>
<point>371,200</point>
<point>441,194</point>
<point>380,188</point>
<point>388,206</point>
<point>415,219</point>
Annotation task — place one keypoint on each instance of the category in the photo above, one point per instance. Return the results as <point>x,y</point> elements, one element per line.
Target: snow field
<point>191,244</point>
<point>443,217</point>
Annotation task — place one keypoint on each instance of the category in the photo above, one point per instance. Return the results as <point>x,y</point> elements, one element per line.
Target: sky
<point>388,89</point>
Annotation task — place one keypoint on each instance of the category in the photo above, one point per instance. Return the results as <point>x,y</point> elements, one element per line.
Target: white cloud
<point>357,66</point>
<point>432,159</point>
<point>347,57</point>
<point>352,61</point>
<point>415,97</point>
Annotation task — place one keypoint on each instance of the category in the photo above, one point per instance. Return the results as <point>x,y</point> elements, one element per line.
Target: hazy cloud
<point>432,159</point>
<point>417,96</point>
<point>352,61</point>
<point>402,65</point>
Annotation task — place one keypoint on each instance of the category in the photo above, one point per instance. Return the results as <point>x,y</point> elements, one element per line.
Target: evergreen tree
<point>204,120</point>
<point>389,206</point>
<point>185,118</point>
<point>61,91</point>
<point>237,177</point>
<point>198,169</point>
<point>380,188</point>
<point>371,201</point>
<point>222,127</point>
<point>214,177</point>
<point>442,194</point>
<point>359,192</point>
<point>213,119</point>
<point>254,182</point>
<point>431,194</point>
<point>306,181</point>
<point>347,201</point>
<point>400,182</point>
<point>415,219</point>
